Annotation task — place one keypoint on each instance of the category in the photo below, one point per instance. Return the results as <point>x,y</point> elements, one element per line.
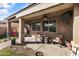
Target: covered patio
<point>46,19</point>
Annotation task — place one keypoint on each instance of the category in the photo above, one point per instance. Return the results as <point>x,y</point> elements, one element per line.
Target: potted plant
<point>13,40</point>
<point>13,37</point>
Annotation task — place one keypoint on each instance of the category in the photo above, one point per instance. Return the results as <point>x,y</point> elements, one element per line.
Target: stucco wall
<point>66,29</point>
<point>76,24</point>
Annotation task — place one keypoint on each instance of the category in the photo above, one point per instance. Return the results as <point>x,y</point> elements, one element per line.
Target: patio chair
<point>59,39</point>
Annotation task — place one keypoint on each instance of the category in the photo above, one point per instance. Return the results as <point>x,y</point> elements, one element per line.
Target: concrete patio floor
<point>49,49</point>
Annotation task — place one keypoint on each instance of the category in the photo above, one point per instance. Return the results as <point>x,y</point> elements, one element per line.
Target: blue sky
<point>7,9</point>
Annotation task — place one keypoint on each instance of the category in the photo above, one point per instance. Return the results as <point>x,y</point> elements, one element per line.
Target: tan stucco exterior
<point>76,24</point>
<point>66,29</point>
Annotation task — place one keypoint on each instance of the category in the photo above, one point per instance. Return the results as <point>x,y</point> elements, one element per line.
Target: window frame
<point>43,26</point>
<point>55,25</point>
<point>50,19</point>
<point>36,22</point>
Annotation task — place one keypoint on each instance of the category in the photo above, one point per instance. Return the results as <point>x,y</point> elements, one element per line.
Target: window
<point>36,26</point>
<point>49,26</point>
<point>52,26</point>
<point>45,25</point>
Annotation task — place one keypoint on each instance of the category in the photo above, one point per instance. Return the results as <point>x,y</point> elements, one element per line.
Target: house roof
<point>13,15</point>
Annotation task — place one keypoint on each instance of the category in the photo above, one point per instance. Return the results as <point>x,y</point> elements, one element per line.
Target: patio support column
<point>8,28</point>
<point>21,30</point>
<point>76,24</point>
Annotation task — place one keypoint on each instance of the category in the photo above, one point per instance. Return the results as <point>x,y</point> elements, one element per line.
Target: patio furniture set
<point>49,39</point>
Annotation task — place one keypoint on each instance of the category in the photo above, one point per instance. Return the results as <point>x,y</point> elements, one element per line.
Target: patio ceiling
<point>50,12</point>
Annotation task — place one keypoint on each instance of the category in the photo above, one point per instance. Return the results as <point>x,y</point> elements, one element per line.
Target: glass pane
<point>45,26</point>
<point>36,26</point>
<point>52,26</point>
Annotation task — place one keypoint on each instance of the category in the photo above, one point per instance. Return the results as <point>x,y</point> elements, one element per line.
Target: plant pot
<point>13,42</point>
